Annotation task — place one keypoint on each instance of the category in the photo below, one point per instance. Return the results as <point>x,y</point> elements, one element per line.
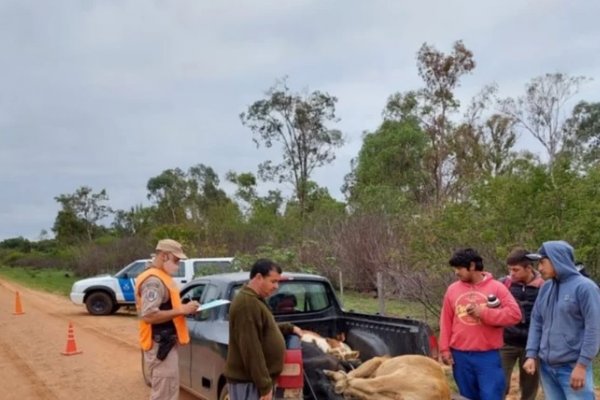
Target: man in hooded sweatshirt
<point>564,334</point>
<point>474,311</point>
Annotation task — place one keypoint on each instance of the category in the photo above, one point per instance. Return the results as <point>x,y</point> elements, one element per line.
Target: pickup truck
<point>313,306</point>
<point>105,294</point>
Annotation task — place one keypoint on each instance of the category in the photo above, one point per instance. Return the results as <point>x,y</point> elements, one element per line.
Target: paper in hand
<point>212,304</point>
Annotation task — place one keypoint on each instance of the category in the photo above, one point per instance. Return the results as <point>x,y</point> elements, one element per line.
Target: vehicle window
<point>133,269</point>
<point>299,297</point>
<point>211,293</point>
<point>203,268</point>
<point>193,293</point>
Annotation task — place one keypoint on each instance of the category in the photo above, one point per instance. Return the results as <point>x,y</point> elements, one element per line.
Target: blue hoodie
<point>565,321</point>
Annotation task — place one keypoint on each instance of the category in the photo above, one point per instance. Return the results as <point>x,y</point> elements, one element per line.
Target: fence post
<point>341,280</point>
<point>380,296</point>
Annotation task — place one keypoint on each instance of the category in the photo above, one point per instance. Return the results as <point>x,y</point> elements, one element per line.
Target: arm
<point>446,318</point>
<point>508,314</point>
<point>534,335</point>
<point>160,316</point>
<point>589,298</point>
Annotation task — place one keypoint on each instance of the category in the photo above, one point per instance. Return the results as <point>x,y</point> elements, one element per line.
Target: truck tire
<point>224,393</point>
<point>99,303</point>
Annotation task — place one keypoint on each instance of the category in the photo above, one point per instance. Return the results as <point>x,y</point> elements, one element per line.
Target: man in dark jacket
<point>524,283</point>
<point>256,342</point>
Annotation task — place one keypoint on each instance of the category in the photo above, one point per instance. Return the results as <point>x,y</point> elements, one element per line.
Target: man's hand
<point>578,377</point>
<point>447,358</point>
<point>268,396</point>
<point>190,307</point>
<point>474,310</point>
<point>529,366</point>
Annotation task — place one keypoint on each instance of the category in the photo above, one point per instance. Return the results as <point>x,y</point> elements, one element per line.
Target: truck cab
<point>105,294</point>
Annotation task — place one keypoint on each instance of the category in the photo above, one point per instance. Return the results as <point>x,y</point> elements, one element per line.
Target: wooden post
<point>380,295</point>
<point>341,278</point>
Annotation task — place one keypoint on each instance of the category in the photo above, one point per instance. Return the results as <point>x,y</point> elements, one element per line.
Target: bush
<point>109,256</point>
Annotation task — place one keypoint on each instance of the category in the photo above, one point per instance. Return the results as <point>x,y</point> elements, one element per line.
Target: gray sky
<point>108,94</point>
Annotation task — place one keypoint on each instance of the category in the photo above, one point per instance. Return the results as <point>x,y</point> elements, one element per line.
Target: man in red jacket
<point>474,311</point>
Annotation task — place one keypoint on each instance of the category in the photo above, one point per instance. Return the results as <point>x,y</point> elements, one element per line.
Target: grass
<point>49,280</point>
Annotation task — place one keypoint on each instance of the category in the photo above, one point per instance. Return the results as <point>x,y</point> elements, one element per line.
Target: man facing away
<point>256,343</point>
<point>565,326</point>
<point>524,283</point>
<point>471,331</point>
<point>162,324</point>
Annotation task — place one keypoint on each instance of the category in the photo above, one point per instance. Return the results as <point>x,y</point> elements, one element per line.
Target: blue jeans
<point>556,383</point>
<point>479,374</point>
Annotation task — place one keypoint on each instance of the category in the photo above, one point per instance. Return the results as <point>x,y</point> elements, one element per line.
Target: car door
<point>126,279</point>
<point>185,352</point>
<point>209,334</point>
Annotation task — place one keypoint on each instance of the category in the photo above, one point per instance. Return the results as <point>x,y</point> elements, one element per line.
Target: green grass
<point>50,280</point>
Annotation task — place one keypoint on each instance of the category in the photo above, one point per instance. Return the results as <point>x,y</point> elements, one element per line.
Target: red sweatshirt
<point>460,331</point>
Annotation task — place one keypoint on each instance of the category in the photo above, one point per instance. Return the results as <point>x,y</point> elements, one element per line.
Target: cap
<point>171,246</point>
<point>541,253</point>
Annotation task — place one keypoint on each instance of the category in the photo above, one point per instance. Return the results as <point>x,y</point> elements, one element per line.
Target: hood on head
<point>562,256</point>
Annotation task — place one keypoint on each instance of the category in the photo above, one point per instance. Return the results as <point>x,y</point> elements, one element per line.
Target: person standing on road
<point>524,283</point>
<point>256,343</point>
<point>474,311</point>
<point>564,335</point>
<point>162,319</point>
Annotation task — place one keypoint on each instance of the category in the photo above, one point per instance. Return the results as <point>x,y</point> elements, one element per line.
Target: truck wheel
<point>99,303</point>
<point>145,372</point>
<point>224,393</point>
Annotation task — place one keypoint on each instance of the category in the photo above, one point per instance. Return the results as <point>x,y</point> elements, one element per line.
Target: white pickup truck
<point>105,294</point>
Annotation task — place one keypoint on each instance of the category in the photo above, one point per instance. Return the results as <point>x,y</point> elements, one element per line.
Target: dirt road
<point>31,344</point>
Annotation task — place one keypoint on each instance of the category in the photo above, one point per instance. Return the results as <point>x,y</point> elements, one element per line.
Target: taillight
<point>434,348</point>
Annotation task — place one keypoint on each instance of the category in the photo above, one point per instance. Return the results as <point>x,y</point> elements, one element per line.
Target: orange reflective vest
<point>183,335</point>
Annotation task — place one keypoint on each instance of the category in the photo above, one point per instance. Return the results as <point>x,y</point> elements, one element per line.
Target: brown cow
<point>408,377</point>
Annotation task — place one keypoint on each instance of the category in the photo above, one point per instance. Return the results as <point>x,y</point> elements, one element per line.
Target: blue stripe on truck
<point>127,286</point>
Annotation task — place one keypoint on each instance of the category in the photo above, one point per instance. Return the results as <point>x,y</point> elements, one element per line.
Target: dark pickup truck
<point>305,300</point>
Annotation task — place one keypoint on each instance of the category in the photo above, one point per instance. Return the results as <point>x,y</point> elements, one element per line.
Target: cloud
<point>110,93</point>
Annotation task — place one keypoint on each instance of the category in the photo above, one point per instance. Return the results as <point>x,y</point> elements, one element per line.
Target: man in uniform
<point>162,319</point>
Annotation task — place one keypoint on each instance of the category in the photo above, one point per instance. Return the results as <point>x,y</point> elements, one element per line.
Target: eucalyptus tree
<point>301,124</point>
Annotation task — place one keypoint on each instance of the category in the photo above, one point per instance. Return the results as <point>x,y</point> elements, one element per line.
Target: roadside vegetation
<point>431,176</point>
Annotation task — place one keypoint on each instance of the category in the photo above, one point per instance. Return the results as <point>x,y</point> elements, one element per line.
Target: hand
<point>447,358</point>
<point>578,377</point>
<point>474,310</point>
<point>190,307</point>
<point>529,366</point>
<point>268,396</point>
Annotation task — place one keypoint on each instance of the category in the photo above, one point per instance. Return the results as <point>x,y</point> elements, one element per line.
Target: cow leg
<point>367,368</point>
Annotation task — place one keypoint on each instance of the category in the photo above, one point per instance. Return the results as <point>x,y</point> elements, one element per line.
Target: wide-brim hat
<point>171,246</point>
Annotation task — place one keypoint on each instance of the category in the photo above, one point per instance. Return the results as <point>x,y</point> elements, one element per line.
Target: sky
<point>111,93</point>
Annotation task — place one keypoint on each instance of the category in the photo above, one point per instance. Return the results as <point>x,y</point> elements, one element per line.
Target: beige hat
<point>171,246</point>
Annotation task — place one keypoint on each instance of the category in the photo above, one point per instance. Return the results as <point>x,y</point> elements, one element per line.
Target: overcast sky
<point>108,94</point>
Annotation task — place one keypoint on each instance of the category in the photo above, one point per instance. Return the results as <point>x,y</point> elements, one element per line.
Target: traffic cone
<point>18,306</point>
<point>71,348</point>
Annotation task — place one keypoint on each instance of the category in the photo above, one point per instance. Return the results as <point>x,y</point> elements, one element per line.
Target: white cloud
<point>110,93</point>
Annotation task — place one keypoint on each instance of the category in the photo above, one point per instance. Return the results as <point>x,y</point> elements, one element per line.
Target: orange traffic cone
<point>18,306</point>
<point>71,348</point>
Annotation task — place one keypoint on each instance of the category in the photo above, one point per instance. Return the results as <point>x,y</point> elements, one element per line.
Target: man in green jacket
<point>256,343</point>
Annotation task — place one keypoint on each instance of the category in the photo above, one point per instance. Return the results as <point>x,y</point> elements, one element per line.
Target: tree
<point>169,190</point>
<point>80,213</point>
<point>432,106</point>
<point>392,157</point>
<point>541,111</point>
<point>582,133</point>
<point>298,121</point>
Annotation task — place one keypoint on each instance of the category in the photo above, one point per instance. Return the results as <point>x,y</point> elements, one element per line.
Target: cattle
<point>407,377</point>
<point>335,346</point>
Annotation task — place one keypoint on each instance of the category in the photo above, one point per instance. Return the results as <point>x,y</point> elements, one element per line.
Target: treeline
<point>432,177</point>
